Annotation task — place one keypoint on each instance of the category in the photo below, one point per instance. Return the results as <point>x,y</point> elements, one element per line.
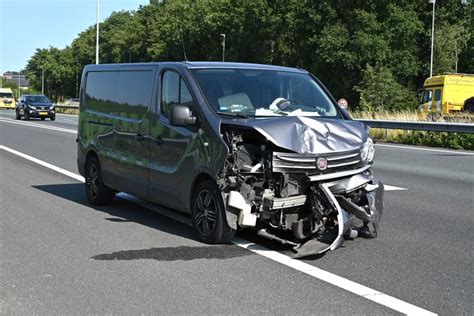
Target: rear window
<point>134,89</point>
<point>100,91</point>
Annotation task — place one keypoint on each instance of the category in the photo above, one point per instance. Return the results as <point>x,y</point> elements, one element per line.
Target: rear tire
<point>208,213</point>
<point>469,107</point>
<point>97,192</point>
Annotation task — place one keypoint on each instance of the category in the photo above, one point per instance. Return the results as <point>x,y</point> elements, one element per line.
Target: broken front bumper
<point>335,191</point>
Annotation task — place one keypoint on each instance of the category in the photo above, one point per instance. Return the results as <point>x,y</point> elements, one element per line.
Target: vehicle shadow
<point>122,210</point>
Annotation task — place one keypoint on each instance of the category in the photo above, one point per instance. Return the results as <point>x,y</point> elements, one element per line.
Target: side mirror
<point>181,115</point>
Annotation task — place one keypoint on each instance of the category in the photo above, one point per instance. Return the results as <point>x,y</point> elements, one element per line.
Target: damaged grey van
<point>234,145</point>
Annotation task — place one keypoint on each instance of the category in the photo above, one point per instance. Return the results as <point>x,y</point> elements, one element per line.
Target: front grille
<point>306,163</point>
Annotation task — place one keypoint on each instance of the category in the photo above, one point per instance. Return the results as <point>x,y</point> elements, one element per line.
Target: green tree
<point>344,43</point>
<point>379,90</point>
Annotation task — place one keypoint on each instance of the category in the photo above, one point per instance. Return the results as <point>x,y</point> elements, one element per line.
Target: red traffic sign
<point>343,103</point>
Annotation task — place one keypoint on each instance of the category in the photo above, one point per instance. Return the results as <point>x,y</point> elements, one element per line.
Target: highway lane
<point>420,256</point>
<point>62,120</point>
<point>56,246</point>
<point>61,256</point>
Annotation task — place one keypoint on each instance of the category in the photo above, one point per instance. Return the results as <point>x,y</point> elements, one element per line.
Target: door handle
<point>159,141</point>
<point>139,137</point>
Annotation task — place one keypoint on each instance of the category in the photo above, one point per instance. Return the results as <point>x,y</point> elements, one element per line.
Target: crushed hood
<point>307,135</point>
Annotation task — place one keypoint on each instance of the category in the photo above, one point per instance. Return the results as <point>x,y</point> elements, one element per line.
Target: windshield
<point>426,96</point>
<point>37,99</point>
<point>6,95</point>
<point>260,93</point>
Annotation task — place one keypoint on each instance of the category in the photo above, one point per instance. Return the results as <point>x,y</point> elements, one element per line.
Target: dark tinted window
<point>173,91</point>
<point>100,90</point>
<point>134,89</point>
<point>185,95</point>
<point>437,95</point>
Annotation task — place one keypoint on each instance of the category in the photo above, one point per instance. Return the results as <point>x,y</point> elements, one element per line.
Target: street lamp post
<point>97,36</point>
<point>42,81</point>
<point>223,46</point>
<point>432,36</point>
<point>19,75</point>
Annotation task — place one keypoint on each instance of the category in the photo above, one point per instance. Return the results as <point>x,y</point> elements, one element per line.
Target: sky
<point>26,25</point>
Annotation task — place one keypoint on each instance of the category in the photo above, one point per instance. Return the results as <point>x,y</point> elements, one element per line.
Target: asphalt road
<point>60,255</point>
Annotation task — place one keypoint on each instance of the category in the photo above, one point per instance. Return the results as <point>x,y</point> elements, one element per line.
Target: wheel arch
<point>469,104</point>
<point>91,154</point>
<point>231,217</point>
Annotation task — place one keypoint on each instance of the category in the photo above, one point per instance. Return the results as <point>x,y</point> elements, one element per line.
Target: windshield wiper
<point>234,114</point>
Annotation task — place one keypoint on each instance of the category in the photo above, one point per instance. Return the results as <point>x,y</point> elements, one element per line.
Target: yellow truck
<point>7,100</point>
<point>448,93</point>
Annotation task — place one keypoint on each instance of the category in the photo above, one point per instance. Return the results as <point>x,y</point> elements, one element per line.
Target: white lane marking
<point>427,149</point>
<point>333,279</point>
<point>325,276</point>
<point>43,163</point>
<point>53,128</point>
<point>393,188</point>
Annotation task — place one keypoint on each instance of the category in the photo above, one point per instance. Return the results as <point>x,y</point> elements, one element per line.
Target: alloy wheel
<point>206,212</point>
<point>93,181</point>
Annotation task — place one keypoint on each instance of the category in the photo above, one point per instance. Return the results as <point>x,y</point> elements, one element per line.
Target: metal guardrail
<point>66,107</point>
<point>422,126</point>
<point>405,125</point>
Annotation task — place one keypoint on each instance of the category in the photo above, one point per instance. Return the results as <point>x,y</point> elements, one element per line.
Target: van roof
<point>5,90</point>
<point>204,64</point>
<point>466,79</point>
<point>198,64</point>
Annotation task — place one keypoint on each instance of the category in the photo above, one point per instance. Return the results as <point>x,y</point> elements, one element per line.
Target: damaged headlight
<point>368,151</point>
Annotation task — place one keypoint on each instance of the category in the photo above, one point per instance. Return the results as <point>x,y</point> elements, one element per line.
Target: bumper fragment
<point>346,212</point>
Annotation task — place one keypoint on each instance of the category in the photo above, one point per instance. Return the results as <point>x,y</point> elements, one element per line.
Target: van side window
<point>100,90</point>
<point>134,90</point>
<point>437,95</point>
<point>184,95</point>
<point>173,91</point>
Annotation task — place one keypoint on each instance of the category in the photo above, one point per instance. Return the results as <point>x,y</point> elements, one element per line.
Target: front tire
<point>52,118</point>
<point>97,192</point>
<point>27,116</point>
<point>208,214</point>
<point>17,115</point>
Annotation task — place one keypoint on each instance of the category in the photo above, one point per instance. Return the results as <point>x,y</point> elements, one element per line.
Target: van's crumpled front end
<point>301,181</point>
